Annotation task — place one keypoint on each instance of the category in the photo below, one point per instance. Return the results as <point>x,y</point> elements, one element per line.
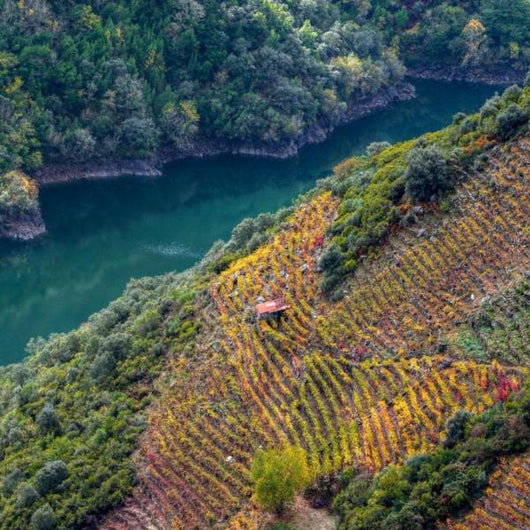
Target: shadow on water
<point>102,233</point>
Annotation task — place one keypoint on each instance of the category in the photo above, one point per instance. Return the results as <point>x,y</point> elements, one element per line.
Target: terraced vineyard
<point>367,381</point>
<point>432,284</point>
<point>506,505</point>
<point>500,330</point>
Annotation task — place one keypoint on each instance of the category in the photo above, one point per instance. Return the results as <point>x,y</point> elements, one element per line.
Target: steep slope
<point>368,381</point>
<point>151,414</point>
<point>506,504</point>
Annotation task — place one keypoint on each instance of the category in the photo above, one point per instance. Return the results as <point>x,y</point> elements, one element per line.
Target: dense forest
<point>93,80</point>
<point>96,81</point>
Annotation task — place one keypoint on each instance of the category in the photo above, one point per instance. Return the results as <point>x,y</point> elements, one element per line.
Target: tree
<point>428,173</point>
<point>474,36</point>
<point>139,135</point>
<point>506,20</point>
<point>43,518</point>
<point>510,120</point>
<point>11,481</point>
<point>456,428</point>
<point>278,476</point>
<point>26,496</point>
<point>376,147</point>
<point>47,420</point>
<point>51,476</point>
<point>180,122</point>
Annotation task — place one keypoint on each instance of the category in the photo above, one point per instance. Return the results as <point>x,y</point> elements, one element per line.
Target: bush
<point>43,518</point>
<point>376,147</point>
<point>510,120</point>
<point>458,118</point>
<point>51,476</point>
<point>331,260</point>
<point>18,193</point>
<point>456,428</point>
<point>331,264</point>
<point>47,420</point>
<point>278,476</point>
<point>26,496</point>
<point>11,482</point>
<point>428,173</point>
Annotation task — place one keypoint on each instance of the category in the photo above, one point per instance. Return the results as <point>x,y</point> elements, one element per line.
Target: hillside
<point>506,498</point>
<point>96,89</point>
<point>159,404</point>
<point>305,384</point>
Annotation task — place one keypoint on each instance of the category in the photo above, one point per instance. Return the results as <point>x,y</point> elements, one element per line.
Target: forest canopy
<point>99,80</point>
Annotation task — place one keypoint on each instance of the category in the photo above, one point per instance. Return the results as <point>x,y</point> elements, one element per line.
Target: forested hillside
<point>406,277</point>
<point>82,80</point>
<point>99,81</point>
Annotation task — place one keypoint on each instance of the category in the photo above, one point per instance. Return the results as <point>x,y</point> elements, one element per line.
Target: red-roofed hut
<point>273,308</point>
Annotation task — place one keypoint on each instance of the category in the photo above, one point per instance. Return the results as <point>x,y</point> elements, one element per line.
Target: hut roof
<point>272,306</point>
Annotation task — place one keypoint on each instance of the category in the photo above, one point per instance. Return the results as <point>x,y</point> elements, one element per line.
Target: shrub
<point>18,193</point>
<point>466,126</point>
<point>456,428</point>
<point>489,108</point>
<point>278,476</point>
<point>428,173</point>
<point>147,322</point>
<point>331,264</point>
<point>11,482</point>
<point>376,147</point>
<point>512,94</point>
<point>26,496</point>
<point>51,476</point>
<point>458,118</point>
<point>102,367</point>
<point>47,420</point>
<point>332,259</point>
<point>43,518</point>
<point>510,120</point>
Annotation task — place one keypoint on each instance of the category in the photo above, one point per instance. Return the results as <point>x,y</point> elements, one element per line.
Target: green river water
<point>103,233</point>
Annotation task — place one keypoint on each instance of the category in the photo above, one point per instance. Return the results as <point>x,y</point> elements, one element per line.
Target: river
<point>103,233</point>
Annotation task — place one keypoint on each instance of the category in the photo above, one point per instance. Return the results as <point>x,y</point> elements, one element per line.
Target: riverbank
<point>23,227</point>
<point>504,77</point>
<point>151,167</point>
<point>103,232</point>
<point>32,226</point>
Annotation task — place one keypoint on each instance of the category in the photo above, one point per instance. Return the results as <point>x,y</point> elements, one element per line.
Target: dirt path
<point>303,517</point>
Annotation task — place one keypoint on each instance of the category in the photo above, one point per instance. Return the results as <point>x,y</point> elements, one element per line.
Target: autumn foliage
<point>366,382</point>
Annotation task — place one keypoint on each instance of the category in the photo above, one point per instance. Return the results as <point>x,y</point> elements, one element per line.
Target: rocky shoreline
<point>505,77</point>
<point>23,227</point>
<point>57,173</point>
<point>31,225</point>
<point>151,167</point>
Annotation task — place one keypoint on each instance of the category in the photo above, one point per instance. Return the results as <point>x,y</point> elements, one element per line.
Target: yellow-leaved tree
<point>278,475</point>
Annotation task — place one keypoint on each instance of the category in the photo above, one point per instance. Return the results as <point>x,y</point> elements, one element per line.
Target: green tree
<point>43,518</point>
<point>278,475</point>
<point>456,428</point>
<point>51,476</point>
<point>506,20</point>
<point>510,120</point>
<point>47,420</point>
<point>428,173</point>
